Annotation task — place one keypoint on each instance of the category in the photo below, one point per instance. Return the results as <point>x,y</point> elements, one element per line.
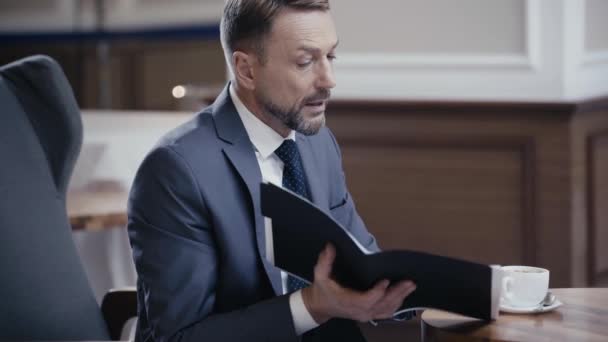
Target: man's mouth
<point>316,103</point>
<point>317,107</point>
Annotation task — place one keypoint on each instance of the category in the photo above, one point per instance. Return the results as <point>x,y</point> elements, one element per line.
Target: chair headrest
<point>46,97</point>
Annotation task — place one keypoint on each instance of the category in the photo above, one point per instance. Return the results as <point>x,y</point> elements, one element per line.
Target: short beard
<point>293,117</point>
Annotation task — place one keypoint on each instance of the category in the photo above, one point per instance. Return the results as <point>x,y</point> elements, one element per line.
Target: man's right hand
<point>326,299</point>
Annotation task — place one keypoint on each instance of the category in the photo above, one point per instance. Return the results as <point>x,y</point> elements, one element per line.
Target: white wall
<point>530,50</point>
<point>596,25</point>
<point>124,143</point>
<point>586,49</point>
<point>473,49</point>
<point>120,14</point>
<point>431,26</point>
<point>35,15</point>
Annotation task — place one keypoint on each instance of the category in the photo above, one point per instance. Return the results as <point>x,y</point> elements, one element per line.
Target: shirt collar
<point>264,139</point>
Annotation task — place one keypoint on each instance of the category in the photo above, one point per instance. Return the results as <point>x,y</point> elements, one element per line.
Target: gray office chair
<point>44,292</point>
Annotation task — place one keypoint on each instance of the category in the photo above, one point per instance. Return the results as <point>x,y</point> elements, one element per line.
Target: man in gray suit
<point>195,225</point>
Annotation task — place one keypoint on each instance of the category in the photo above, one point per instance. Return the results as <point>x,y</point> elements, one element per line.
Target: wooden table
<point>583,317</point>
<point>97,209</point>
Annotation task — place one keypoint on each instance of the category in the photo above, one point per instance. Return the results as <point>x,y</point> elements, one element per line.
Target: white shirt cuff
<point>302,320</point>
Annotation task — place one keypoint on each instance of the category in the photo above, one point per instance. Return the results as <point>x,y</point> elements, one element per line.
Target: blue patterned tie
<point>294,180</point>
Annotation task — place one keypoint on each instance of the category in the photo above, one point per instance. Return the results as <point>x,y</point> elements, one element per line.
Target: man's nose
<point>326,78</point>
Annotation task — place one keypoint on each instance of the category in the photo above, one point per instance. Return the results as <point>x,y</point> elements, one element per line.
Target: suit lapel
<point>311,168</point>
<point>241,154</point>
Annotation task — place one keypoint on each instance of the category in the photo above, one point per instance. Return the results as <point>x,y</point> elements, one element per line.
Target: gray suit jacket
<point>197,232</point>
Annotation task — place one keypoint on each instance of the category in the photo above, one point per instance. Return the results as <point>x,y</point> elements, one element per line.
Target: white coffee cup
<point>524,286</point>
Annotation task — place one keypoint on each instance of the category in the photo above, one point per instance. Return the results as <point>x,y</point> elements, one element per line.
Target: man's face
<point>294,82</point>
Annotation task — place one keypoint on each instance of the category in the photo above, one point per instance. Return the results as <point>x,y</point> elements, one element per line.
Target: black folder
<point>300,230</point>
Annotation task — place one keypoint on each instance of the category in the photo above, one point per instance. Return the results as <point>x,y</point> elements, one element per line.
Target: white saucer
<point>536,309</point>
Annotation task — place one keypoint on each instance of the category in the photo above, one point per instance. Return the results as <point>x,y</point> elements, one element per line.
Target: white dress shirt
<point>265,141</point>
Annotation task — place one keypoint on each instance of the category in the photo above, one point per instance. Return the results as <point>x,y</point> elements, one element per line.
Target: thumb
<point>325,262</point>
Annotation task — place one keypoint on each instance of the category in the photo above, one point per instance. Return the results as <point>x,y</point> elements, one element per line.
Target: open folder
<point>300,230</point>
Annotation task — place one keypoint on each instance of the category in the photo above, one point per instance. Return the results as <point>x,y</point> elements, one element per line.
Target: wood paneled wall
<point>590,150</point>
<point>142,73</point>
<point>491,182</point>
<point>597,145</point>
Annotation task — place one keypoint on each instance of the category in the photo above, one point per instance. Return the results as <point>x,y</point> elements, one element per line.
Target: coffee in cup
<point>524,286</point>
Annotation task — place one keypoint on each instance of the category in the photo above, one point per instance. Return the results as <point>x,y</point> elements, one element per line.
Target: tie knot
<point>288,152</point>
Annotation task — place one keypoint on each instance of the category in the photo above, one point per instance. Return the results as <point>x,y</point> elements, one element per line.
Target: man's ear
<point>243,69</point>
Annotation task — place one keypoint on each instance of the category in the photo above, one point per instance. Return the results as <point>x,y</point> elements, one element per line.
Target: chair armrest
<point>117,307</point>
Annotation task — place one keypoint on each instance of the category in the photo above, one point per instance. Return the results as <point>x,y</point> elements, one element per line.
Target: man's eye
<point>331,57</point>
<point>304,64</point>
